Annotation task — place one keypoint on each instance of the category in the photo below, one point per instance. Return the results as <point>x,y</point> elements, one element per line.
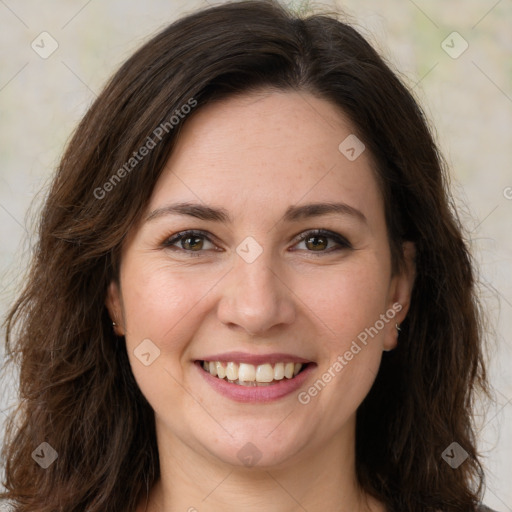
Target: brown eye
<point>318,241</point>
<point>189,242</point>
<point>192,243</point>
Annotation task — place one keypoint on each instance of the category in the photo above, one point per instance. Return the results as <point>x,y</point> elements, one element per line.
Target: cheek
<point>347,300</point>
<point>348,304</point>
<point>159,302</point>
<point>348,309</point>
<point>161,306</point>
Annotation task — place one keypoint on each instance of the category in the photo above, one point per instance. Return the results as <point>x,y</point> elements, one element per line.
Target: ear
<point>400,292</point>
<point>113,303</point>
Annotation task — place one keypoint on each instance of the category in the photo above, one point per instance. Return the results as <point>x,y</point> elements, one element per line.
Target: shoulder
<point>483,508</point>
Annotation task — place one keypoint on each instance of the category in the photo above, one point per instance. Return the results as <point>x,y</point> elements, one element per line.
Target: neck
<point>315,480</point>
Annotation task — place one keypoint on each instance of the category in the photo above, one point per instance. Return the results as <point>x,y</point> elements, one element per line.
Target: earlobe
<point>391,343</point>
<point>113,304</point>
<point>404,280</point>
<point>401,292</point>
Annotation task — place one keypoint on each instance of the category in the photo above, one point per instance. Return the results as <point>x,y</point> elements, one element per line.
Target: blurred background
<point>456,57</point>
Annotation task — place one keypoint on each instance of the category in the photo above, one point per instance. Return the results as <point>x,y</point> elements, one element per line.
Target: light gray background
<point>468,99</point>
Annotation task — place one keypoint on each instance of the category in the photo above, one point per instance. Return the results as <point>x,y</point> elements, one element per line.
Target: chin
<point>258,450</point>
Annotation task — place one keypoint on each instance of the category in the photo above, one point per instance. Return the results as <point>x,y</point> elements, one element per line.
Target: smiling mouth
<point>244,374</point>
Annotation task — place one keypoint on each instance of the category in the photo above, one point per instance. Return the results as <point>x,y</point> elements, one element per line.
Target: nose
<point>256,298</point>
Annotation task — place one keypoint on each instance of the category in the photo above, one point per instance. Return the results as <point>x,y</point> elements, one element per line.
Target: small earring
<point>113,324</point>
<point>398,328</point>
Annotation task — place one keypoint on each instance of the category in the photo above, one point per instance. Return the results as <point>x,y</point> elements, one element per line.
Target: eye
<point>317,241</point>
<point>191,241</point>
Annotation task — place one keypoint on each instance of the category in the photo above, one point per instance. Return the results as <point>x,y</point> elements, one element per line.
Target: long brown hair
<point>77,391</point>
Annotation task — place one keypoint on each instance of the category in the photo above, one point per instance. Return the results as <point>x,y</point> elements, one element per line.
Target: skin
<point>255,155</point>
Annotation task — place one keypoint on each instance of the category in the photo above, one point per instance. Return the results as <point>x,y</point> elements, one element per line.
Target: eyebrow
<point>293,213</point>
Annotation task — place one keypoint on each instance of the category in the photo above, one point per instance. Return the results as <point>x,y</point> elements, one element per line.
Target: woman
<point>251,291</point>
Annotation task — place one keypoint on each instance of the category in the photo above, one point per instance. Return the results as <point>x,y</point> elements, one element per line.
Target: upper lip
<point>255,359</point>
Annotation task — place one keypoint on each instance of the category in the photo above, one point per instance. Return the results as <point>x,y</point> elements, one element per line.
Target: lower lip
<point>270,393</point>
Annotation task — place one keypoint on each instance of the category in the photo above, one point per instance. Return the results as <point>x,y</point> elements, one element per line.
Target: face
<point>262,281</point>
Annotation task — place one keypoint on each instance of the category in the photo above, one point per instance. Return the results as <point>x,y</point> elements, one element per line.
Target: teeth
<point>264,373</point>
<point>279,371</point>
<point>288,370</point>
<point>250,375</point>
<point>246,372</point>
<point>221,371</point>
<point>232,371</point>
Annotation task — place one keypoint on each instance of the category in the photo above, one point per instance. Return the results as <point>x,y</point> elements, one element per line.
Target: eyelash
<point>340,240</point>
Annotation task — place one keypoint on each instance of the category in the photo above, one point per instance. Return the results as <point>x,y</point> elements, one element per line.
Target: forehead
<point>268,148</point>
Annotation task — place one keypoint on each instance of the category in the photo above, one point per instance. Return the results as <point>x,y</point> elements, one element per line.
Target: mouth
<point>252,375</point>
